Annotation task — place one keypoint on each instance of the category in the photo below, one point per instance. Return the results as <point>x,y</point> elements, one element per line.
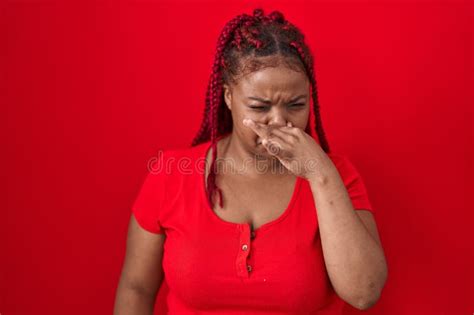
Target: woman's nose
<point>277,120</point>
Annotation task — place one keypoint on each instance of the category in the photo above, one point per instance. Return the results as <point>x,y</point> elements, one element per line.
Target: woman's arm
<point>352,251</point>
<point>351,246</point>
<point>142,273</point>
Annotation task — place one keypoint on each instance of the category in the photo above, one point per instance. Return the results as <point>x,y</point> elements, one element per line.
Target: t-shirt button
<point>249,268</point>
<point>244,247</point>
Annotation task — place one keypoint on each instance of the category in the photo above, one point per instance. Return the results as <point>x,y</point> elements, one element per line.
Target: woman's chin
<point>262,152</point>
<point>259,149</point>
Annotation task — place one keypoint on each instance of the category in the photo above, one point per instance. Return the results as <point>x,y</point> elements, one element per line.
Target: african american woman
<point>257,216</point>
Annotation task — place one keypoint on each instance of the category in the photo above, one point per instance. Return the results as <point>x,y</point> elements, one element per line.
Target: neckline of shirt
<point>297,187</point>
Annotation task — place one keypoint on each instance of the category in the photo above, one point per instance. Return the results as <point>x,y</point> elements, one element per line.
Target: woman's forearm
<point>354,260</point>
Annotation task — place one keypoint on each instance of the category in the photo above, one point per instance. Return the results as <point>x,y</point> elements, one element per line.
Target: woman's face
<point>273,96</point>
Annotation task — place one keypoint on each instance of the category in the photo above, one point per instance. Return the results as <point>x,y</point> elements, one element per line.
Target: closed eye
<point>263,108</point>
<point>259,108</point>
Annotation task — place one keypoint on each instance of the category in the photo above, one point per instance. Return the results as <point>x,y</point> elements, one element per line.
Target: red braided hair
<point>242,40</point>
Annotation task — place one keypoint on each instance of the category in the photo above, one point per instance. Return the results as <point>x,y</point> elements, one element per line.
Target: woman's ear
<point>228,96</point>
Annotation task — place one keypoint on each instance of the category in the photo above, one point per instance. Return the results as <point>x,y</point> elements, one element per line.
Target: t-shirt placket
<point>244,268</point>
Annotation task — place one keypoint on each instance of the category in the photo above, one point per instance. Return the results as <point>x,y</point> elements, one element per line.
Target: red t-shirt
<point>213,266</point>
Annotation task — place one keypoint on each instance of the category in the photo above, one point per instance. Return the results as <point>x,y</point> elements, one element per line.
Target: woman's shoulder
<point>353,180</point>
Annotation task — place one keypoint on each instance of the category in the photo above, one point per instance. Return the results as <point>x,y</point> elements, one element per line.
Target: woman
<point>293,230</point>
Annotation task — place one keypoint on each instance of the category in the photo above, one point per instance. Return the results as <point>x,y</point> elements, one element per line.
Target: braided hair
<point>242,41</point>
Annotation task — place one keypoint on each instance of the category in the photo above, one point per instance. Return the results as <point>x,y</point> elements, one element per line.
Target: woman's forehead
<point>274,82</point>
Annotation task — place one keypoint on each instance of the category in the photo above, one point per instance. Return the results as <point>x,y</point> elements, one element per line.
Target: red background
<point>92,90</point>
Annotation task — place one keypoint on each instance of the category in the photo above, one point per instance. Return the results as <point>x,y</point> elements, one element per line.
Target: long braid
<point>205,131</point>
<point>214,99</point>
<point>308,62</point>
<point>242,41</point>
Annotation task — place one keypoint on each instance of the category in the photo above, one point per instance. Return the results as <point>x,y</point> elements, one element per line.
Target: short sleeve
<point>354,184</point>
<point>149,202</point>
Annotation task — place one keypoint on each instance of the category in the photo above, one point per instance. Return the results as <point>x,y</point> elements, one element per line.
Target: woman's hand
<point>294,148</point>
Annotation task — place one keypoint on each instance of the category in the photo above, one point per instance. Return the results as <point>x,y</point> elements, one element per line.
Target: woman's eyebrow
<point>269,101</point>
<point>297,98</point>
<point>259,99</point>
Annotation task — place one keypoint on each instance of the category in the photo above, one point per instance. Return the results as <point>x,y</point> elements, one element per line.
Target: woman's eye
<point>260,108</point>
<point>263,108</point>
<point>297,105</point>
